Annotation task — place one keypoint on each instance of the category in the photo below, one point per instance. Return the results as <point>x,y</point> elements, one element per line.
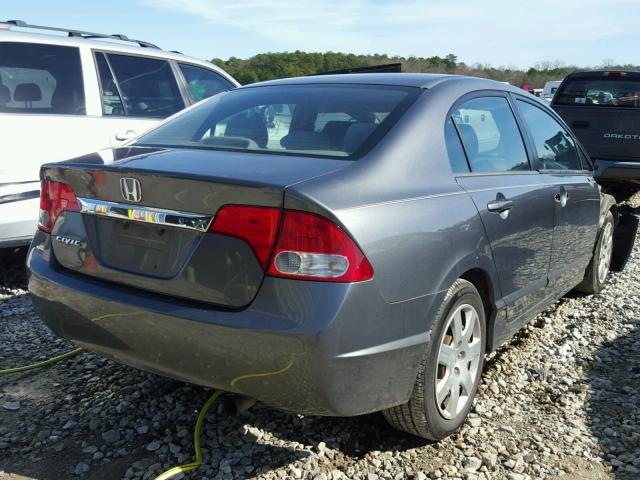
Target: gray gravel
<point>562,399</point>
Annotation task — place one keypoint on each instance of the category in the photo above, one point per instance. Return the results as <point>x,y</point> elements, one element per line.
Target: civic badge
<point>131,189</point>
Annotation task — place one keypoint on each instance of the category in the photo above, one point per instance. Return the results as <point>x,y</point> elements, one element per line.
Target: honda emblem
<point>131,189</point>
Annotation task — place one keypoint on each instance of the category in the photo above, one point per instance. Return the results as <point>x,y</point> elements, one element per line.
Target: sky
<point>496,32</point>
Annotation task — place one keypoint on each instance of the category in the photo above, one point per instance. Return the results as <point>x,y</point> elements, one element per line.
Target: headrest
<point>469,138</point>
<point>27,92</point>
<point>248,127</point>
<point>5,94</point>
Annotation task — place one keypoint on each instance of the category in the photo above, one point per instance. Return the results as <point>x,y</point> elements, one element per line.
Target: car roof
<point>110,45</point>
<point>419,80</point>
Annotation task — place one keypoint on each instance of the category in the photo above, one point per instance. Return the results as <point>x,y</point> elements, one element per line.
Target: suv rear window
<point>600,92</point>
<point>36,78</point>
<point>341,121</point>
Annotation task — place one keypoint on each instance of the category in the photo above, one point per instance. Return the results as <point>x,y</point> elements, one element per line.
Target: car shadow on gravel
<point>13,273</point>
<point>353,437</point>
<point>614,403</point>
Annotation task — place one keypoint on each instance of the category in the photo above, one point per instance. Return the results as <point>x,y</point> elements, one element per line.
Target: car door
<point>136,93</point>
<point>575,192</point>
<point>514,202</point>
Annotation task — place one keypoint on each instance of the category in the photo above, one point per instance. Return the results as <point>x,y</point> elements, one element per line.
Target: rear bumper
<point>308,347</point>
<point>613,170</point>
<point>19,204</point>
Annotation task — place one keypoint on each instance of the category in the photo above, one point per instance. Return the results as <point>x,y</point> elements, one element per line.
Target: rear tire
<point>450,370</point>
<point>595,277</point>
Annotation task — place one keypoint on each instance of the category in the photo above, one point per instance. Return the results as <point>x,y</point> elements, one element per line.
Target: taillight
<point>314,248</point>
<point>55,198</point>
<point>308,246</point>
<point>257,226</point>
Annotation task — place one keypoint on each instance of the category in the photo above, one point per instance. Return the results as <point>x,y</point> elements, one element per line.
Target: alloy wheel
<point>606,251</point>
<point>458,361</point>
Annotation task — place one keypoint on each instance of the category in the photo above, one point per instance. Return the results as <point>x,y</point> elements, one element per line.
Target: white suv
<point>66,96</point>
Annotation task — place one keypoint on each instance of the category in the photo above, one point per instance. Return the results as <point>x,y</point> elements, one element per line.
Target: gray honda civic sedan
<point>329,245</point>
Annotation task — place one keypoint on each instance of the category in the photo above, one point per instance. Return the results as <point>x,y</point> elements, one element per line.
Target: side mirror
<point>125,136</point>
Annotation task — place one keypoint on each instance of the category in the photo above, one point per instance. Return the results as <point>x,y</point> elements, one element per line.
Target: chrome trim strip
<point>135,213</point>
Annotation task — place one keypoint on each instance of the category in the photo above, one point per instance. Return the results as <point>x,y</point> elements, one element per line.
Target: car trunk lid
<point>144,221</point>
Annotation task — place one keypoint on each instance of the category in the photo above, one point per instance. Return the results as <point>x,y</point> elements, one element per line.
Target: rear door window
<point>555,148</point>
<point>111,100</point>
<point>203,83</point>
<point>44,79</point>
<point>600,92</point>
<point>138,86</point>
<point>490,135</point>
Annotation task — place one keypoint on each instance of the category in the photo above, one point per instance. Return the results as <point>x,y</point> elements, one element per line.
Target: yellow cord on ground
<point>187,467</point>
<point>44,363</point>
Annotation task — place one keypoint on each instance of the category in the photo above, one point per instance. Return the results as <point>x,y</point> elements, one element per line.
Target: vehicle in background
<point>603,110</point>
<point>303,242</point>
<point>64,96</point>
<point>549,90</point>
<point>538,91</point>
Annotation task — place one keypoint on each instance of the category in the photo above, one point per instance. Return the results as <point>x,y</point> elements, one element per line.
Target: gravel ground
<point>562,399</point>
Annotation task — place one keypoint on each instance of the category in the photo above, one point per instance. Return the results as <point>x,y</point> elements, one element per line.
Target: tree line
<point>268,66</point>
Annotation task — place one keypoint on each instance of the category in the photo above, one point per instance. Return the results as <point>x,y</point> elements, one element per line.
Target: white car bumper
<point>19,204</point>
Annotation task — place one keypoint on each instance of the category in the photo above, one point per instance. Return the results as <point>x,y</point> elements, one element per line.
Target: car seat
<point>306,140</point>
<point>470,140</point>
<point>356,134</point>
<point>27,93</point>
<point>65,100</point>
<point>5,95</point>
<point>336,130</point>
<point>250,127</point>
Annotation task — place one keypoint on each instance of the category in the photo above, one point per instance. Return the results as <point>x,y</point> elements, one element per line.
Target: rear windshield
<point>600,92</point>
<point>342,121</point>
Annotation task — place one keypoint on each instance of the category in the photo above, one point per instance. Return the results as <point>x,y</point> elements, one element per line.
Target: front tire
<point>597,272</point>
<point>450,370</point>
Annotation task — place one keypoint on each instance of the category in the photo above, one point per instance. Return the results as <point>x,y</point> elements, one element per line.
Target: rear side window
<point>457,157</point>
<point>602,92</point>
<point>555,148</point>
<point>138,86</point>
<point>341,121</point>
<point>44,79</point>
<point>490,135</point>
<point>203,83</point>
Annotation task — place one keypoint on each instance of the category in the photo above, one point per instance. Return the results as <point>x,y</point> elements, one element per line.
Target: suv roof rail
<point>78,33</point>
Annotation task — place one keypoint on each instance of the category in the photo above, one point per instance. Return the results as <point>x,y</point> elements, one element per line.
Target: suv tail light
<point>308,246</point>
<point>314,248</point>
<point>55,198</point>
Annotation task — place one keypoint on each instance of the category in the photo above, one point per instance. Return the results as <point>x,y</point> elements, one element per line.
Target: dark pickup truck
<point>603,110</point>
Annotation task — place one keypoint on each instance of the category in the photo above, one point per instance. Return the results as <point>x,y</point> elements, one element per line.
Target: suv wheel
<point>450,369</point>
<point>598,270</point>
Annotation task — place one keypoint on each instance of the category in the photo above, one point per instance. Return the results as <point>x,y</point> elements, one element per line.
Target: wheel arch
<point>482,281</point>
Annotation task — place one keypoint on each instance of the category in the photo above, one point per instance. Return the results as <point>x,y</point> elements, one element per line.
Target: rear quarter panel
<point>401,204</point>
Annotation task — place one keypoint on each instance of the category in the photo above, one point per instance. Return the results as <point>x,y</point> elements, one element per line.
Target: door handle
<point>562,198</point>
<point>126,135</point>
<point>500,205</point>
